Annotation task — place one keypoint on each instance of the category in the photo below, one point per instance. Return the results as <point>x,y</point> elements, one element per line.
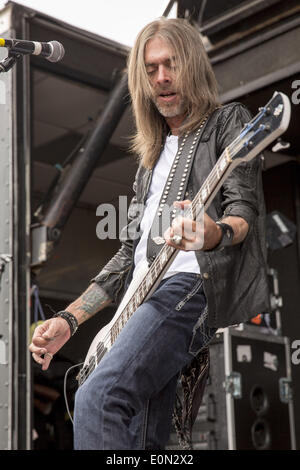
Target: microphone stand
<point>9,62</point>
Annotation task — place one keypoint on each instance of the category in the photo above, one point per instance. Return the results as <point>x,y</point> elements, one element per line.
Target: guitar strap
<point>194,376</point>
<point>174,190</point>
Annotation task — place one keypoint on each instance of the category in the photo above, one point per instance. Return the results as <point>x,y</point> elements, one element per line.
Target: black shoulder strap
<point>174,190</point>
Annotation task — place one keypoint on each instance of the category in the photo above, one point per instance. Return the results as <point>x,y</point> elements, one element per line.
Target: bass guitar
<point>271,121</point>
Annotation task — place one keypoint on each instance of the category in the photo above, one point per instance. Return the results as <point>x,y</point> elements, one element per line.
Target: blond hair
<point>195,80</point>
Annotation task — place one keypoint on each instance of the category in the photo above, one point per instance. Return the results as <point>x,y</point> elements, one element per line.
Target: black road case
<point>248,403</point>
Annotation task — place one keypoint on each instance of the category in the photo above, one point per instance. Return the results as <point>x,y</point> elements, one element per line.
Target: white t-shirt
<point>185,261</point>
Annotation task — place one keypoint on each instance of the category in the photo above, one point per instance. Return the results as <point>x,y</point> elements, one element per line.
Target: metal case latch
<point>233,384</point>
<point>285,390</point>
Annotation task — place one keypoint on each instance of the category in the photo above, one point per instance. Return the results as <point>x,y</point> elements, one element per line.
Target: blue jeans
<point>127,402</point>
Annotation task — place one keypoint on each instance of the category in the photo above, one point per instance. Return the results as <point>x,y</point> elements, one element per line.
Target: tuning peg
<point>280,145</point>
<point>267,110</point>
<point>265,127</point>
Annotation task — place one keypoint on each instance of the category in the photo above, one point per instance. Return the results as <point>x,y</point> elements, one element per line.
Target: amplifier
<point>248,402</point>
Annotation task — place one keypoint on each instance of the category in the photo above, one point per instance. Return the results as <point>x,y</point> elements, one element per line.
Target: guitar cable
<point>65,389</point>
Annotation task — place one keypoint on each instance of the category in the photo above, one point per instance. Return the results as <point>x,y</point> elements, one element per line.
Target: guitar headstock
<point>271,121</point>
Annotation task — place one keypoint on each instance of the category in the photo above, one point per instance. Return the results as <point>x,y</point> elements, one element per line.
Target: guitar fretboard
<point>167,253</point>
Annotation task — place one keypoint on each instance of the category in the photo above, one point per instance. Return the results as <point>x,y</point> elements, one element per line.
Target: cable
<point>65,389</point>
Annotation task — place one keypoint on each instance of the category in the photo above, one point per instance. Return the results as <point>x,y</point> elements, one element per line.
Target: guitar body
<point>104,337</point>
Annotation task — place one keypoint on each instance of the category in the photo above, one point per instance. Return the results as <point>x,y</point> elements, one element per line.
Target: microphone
<point>52,51</point>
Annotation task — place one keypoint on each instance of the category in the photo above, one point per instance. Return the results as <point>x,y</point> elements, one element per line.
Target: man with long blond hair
<point>218,277</point>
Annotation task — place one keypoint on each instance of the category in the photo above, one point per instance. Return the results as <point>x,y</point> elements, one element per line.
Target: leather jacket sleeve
<point>234,279</point>
<point>112,277</point>
<point>239,191</point>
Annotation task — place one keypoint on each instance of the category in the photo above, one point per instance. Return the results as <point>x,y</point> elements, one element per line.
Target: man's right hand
<point>51,335</point>
<point>47,339</point>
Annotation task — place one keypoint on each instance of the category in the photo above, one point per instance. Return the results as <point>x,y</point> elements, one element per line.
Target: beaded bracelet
<point>69,317</point>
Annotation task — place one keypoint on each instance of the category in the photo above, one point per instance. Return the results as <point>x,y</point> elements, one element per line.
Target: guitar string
<point>108,339</point>
<point>212,177</point>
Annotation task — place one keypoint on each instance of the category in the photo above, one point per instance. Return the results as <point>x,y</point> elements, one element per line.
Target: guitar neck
<point>167,253</point>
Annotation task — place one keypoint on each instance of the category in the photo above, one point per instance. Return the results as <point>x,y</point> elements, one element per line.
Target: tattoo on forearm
<point>92,301</point>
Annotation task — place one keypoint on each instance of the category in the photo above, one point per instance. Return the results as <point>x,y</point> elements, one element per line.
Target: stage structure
<point>61,121</point>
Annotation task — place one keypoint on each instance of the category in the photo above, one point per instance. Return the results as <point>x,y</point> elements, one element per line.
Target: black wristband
<point>70,319</point>
<point>227,235</point>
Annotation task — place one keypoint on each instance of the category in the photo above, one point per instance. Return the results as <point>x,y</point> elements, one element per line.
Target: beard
<point>169,110</point>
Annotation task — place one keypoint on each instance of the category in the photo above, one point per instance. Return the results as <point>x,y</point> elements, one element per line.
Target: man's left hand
<point>193,235</point>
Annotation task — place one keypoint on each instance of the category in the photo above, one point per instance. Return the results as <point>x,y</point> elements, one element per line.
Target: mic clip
<point>8,63</point>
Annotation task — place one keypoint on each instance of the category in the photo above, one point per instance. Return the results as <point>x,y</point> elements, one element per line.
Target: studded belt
<point>174,190</point>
